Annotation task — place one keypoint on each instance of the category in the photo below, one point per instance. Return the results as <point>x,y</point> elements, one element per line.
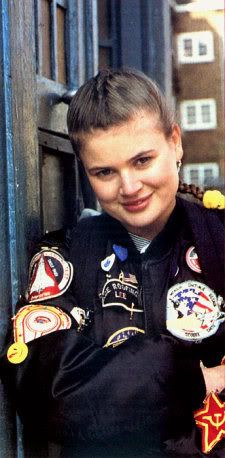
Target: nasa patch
<point>192,260</point>
<point>122,335</point>
<point>49,276</point>
<point>193,311</point>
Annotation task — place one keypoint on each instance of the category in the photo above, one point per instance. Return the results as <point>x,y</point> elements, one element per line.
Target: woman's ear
<point>176,139</point>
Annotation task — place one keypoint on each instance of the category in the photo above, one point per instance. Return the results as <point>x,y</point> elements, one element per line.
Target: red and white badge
<point>49,276</point>
<point>33,321</point>
<point>192,260</point>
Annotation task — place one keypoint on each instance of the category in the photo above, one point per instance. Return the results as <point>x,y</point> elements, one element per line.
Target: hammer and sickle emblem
<point>217,423</point>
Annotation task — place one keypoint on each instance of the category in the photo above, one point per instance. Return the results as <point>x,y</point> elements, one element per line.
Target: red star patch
<point>211,419</point>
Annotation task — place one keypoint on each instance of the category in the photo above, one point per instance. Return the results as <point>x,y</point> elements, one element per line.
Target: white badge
<point>108,262</point>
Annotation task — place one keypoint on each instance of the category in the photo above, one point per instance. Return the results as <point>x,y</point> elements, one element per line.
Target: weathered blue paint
<point>156,40</point>
<point>91,26</point>
<point>9,426</point>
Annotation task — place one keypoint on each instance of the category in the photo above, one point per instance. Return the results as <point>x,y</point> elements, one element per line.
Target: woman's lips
<point>137,205</point>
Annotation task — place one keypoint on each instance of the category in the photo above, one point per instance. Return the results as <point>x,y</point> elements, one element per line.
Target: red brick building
<point>198,40</point>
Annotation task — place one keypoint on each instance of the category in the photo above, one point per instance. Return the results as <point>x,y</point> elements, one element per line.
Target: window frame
<point>198,104</point>
<point>201,169</point>
<point>196,37</point>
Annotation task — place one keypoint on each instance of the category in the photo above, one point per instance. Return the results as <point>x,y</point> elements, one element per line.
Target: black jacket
<point>124,383</point>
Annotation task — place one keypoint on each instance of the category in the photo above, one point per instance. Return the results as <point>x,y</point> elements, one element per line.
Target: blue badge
<point>121,252</point>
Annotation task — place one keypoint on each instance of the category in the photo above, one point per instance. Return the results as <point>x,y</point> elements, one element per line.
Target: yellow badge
<point>17,352</point>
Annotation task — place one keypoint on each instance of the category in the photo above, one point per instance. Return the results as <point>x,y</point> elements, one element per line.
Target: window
<point>198,114</point>
<point>194,47</point>
<point>205,174</point>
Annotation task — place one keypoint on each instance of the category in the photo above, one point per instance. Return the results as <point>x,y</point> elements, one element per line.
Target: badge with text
<point>121,292</point>
<point>193,311</point>
<point>192,260</point>
<point>122,335</point>
<point>211,420</point>
<point>49,276</point>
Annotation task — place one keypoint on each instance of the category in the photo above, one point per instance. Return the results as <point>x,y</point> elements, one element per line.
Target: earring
<point>179,164</point>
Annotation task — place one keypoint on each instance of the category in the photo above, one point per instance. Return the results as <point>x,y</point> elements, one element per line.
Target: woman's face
<point>133,172</point>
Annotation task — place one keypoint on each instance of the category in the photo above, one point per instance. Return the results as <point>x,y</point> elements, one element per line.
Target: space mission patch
<point>193,311</point>
<point>49,276</point>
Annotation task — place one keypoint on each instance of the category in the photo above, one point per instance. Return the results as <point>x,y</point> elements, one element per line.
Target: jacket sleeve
<point>68,387</point>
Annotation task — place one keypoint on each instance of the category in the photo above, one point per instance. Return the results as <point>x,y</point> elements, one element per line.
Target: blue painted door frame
<point>8,239</point>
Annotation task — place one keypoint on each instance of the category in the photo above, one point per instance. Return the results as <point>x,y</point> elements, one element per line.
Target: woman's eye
<point>104,173</point>
<point>143,160</point>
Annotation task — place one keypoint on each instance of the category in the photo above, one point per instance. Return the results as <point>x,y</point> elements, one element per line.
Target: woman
<point>139,289</point>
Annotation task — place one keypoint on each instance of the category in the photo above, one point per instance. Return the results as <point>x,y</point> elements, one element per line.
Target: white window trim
<point>204,36</point>
<point>199,124</point>
<point>200,168</point>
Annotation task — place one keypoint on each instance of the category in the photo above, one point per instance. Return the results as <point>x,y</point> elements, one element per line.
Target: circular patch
<point>192,260</point>
<point>122,335</point>
<point>193,311</point>
<point>17,352</point>
<point>49,276</point>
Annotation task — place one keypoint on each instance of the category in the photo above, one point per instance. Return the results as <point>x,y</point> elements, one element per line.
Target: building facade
<point>198,45</point>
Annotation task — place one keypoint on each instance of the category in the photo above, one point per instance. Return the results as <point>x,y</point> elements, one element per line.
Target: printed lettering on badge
<point>121,292</point>
<point>49,276</point>
<point>122,335</point>
<point>192,260</point>
<point>193,311</point>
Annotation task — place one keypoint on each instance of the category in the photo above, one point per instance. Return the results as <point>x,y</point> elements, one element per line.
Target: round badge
<point>17,352</point>
<point>193,311</point>
<point>192,260</point>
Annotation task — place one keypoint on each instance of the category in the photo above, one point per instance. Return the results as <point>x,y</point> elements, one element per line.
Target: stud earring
<point>179,164</point>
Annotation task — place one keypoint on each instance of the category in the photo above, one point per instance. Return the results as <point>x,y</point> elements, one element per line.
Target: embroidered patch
<point>120,293</point>
<point>193,311</point>
<point>49,276</point>
<point>108,262</point>
<point>192,260</point>
<point>122,335</point>
<point>33,321</point>
<point>211,419</point>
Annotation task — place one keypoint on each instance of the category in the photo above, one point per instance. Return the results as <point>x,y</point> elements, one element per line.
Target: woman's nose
<point>130,184</point>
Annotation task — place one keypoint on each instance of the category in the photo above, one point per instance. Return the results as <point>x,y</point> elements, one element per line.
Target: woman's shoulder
<point>194,208</point>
